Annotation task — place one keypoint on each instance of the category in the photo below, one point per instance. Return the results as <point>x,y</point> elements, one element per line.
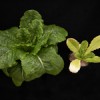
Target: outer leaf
<point>32,67</point>
<point>8,37</point>
<point>75,66</point>
<point>95,44</point>
<point>5,71</point>
<point>52,62</point>
<point>73,44</point>
<point>28,17</point>
<point>58,34</point>
<point>7,41</point>
<point>16,74</point>
<point>8,52</point>
<point>8,57</point>
<point>95,59</point>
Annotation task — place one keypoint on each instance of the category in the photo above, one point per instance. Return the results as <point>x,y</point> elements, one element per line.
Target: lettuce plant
<point>82,53</point>
<point>30,50</point>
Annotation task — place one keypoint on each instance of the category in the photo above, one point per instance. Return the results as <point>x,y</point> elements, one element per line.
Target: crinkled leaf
<point>8,37</point>
<point>24,35</point>
<point>28,17</point>
<point>8,41</point>
<point>95,44</point>
<point>73,44</point>
<point>32,67</point>
<point>52,62</point>
<point>57,34</point>
<point>33,37</point>
<point>36,30</point>
<point>8,57</point>
<point>32,33</point>
<point>40,42</point>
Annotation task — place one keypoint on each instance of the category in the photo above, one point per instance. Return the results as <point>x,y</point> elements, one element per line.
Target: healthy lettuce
<point>30,50</point>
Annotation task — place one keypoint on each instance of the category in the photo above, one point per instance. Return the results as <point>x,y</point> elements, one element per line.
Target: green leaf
<point>36,30</point>
<point>90,55</point>
<point>8,41</point>
<point>8,37</point>
<point>95,59</point>
<point>95,44</point>
<point>41,41</point>
<point>32,33</point>
<point>73,44</point>
<point>57,34</point>
<point>52,62</point>
<point>8,56</point>
<point>33,37</point>
<point>24,35</point>
<point>5,71</point>
<point>32,67</point>
<point>83,48</point>
<point>16,74</point>
<point>28,17</point>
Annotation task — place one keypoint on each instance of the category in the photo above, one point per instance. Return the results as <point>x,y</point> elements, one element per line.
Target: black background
<point>82,21</point>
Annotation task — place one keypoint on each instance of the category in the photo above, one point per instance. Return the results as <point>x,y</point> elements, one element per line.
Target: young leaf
<point>83,48</point>
<point>95,44</point>
<point>52,62</point>
<point>32,33</point>
<point>57,34</point>
<point>40,42</point>
<point>28,17</point>
<point>24,35</point>
<point>73,44</point>
<point>95,59</point>
<point>89,55</point>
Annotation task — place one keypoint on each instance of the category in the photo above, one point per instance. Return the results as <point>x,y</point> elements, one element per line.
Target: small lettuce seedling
<point>82,53</point>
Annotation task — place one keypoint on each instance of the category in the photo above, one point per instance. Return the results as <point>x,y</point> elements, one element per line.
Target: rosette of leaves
<point>83,53</point>
<point>30,50</point>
